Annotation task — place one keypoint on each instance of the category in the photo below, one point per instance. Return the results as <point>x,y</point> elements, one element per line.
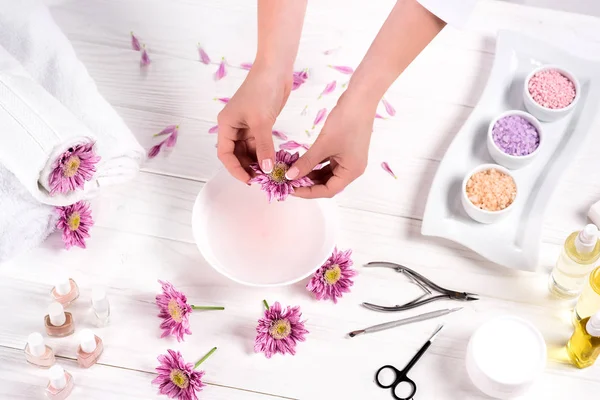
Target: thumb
<point>306,163</point>
<point>265,151</point>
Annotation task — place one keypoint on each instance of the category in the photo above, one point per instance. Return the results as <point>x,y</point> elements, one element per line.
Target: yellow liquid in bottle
<point>583,349</point>
<point>569,275</point>
<point>589,302</point>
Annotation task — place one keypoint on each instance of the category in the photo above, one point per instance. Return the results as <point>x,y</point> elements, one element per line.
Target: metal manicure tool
<point>423,283</point>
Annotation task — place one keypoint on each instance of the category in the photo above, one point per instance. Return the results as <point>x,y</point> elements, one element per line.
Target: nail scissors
<point>424,283</point>
<point>401,377</point>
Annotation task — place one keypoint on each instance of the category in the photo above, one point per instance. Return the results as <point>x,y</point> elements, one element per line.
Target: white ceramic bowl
<point>485,216</point>
<point>549,114</point>
<point>255,243</point>
<point>505,356</point>
<point>507,160</point>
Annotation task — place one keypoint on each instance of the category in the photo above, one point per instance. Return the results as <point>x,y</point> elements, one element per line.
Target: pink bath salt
<point>491,190</point>
<point>551,89</point>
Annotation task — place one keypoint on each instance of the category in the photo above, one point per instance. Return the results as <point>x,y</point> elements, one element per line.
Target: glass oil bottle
<point>589,301</point>
<point>577,259</point>
<point>584,345</point>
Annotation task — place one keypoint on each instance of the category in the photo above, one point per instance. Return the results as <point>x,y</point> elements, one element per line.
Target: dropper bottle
<point>589,301</point>
<point>584,345</point>
<point>577,259</point>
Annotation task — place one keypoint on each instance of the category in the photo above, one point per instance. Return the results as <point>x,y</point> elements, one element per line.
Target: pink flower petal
<point>379,116</point>
<point>172,140</point>
<point>154,150</point>
<point>246,66</point>
<point>293,145</point>
<point>168,130</point>
<point>320,117</point>
<point>299,77</point>
<point>221,71</point>
<point>280,135</point>
<point>320,166</point>
<point>135,43</point>
<point>304,110</point>
<point>328,89</point>
<point>144,59</point>
<point>204,58</point>
<point>386,168</point>
<point>223,100</point>
<point>388,107</point>
<point>343,69</point>
<point>214,129</point>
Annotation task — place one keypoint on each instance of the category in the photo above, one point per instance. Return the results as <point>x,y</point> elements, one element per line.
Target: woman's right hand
<point>246,122</point>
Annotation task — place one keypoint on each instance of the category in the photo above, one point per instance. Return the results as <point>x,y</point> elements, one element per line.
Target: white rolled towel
<point>49,104</point>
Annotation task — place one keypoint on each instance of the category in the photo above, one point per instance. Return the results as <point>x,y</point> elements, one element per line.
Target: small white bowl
<point>507,160</point>
<point>544,113</point>
<point>505,356</point>
<point>255,243</point>
<point>485,216</point>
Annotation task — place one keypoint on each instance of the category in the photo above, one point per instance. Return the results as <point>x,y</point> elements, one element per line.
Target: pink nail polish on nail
<point>65,292</point>
<point>60,385</point>
<point>90,348</point>
<point>58,322</point>
<point>37,353</point>
<point>266,166</point>
<point>292,173</point>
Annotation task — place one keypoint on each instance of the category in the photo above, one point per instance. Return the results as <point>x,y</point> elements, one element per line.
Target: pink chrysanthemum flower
<point>334,278</point>
<point>73,168</point>
<point>279,330</point>
<point>275,183</point>
<point>75,221</point>
<point>176,378</point>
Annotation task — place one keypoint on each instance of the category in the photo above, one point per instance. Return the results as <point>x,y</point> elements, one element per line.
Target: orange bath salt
<point>491,190</point>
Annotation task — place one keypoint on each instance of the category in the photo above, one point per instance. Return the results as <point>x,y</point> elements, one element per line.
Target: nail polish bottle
<point>90,348</point>
<point>60,385</point>
<point>37,353</point>
<point>65,292</point>
<point>58,322</point>
<point>101,306</point>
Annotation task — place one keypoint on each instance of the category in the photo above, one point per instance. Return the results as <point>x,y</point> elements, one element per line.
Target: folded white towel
<point>53,103</point>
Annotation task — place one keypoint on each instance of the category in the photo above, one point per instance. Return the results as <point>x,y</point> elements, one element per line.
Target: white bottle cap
<point>99,300</point>
<point>63,285</point>
<point>593,325</point>
<point>57,377</point>
<point>56,312</point>
<point>587,239</point>
<point>36,344</point>
<point>87,341</point>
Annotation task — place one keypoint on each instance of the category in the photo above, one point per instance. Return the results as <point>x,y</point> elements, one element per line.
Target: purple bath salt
<point>515,136</point>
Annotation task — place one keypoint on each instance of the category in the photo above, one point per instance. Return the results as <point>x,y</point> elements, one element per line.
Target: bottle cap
<point>63,285</point>
<point>587,239</point>
<point>57,377</point>
<point>36,344</point>
<point>56,312</point>
<point>87,341</point>
<point>99,300</point>
<point>593,325</point>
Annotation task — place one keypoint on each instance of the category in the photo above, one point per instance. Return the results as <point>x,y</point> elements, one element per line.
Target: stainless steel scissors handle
<point>400,378</point>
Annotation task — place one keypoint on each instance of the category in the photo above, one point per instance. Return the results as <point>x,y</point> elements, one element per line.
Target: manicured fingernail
<point>266,166</point>
<point>292,173</point>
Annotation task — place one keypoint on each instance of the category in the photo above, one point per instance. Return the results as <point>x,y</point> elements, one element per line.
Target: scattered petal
<point>221,71</point>
<point>320,117</point>
<point>386,168</point>
<point>334,278</point>
<point>279,330</point>
<point>154,150</point>
<point>330,87</point>
<point>280,135</point>
<point>204,58</point>
<point>135,43</point>
<point>299,77</point>
<point>223,100</point>
<point>388,107</point>
<point>172,140</point>
<point>167,131</point>
<point>246,66</point>
<point>379,116</point>
<point>75,221</point>
<point>304,110</point>
<point>214,129</point>
<point>343,69</point>
<point>145,59</point>
<point>293,145</point>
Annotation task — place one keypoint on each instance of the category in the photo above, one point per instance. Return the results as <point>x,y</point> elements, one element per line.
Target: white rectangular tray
<point>515,241</point>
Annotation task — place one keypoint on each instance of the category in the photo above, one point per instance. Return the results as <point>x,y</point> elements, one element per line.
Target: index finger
<point>225,152</point>
<point>333,186</point>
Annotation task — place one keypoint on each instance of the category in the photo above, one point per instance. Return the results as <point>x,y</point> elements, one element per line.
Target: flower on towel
<point>75,221</point>
<point>299,78</point>
<point>334,278</point>
<point>276,184</point>
<point>178,379</point>
<point>279,330</point>
<point>73,168</point>
<point>174,310</point>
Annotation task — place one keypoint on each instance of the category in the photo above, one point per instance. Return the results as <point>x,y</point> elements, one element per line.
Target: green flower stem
<point>205,357</point>
<point>207,307</point>
<point>266,304</point>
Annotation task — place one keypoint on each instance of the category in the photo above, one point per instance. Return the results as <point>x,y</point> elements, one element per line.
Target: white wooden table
<point>143,232</point>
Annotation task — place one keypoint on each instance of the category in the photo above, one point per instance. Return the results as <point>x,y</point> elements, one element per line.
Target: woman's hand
<point>246,122</point>
<point>344,142</point>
